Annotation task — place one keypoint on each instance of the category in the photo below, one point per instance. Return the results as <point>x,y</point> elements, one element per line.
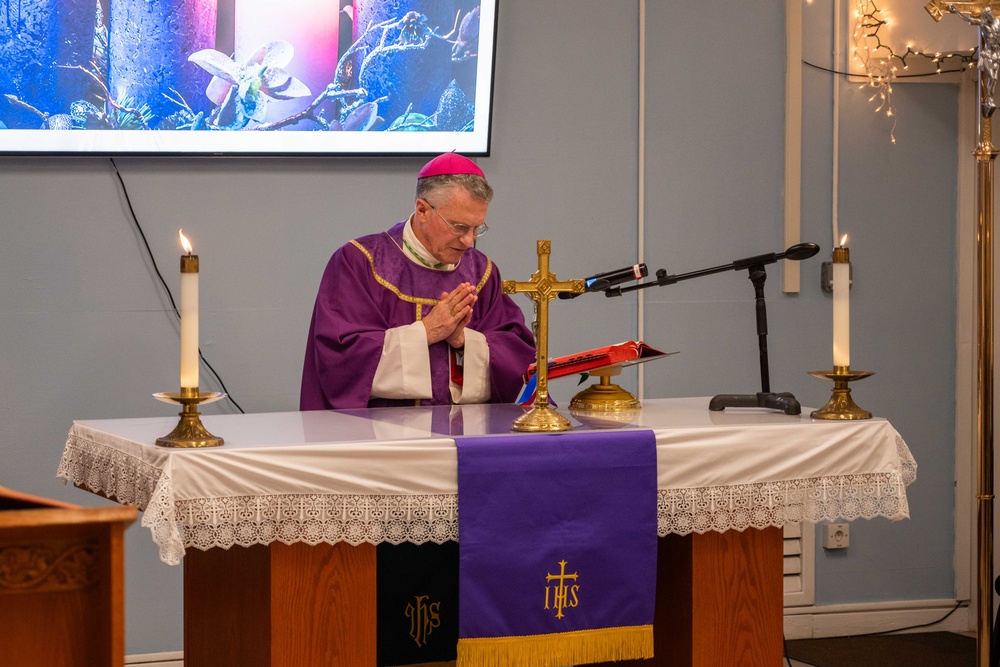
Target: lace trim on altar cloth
<point>126,479</point>
<point>314,518</point>
<point>767,504</point>
<point>205,523</point>
<point>130,481</point>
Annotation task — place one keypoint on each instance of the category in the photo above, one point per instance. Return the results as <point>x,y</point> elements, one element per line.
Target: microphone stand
<point>782,401</point>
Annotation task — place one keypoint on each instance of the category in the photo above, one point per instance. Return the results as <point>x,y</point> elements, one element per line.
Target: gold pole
<point>985,155</point>
<point>982,14</point>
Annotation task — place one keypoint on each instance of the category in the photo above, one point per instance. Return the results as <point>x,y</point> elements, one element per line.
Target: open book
<point>624,354</point>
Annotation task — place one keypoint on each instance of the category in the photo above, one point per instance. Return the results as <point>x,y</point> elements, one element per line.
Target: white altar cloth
<point>390,474</point>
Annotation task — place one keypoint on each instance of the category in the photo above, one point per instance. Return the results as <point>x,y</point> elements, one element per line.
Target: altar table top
<point>390,474</point>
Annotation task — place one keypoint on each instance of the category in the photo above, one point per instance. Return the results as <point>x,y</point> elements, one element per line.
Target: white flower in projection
<point>240,92</point>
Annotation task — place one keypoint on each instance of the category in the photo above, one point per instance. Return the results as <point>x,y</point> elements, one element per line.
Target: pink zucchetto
<point>448,164</point>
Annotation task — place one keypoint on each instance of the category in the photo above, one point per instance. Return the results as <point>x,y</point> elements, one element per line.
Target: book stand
<point>602,362</point>
<point>605,396</point>
<point>783,401</point>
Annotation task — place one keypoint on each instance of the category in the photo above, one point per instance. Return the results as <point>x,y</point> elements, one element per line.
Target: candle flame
<point>184,242</point>
<point>843,240</point>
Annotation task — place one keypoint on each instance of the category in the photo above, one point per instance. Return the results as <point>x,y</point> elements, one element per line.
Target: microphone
<point>796,252</point>
<point>799,251</point>
<point>604,281</point>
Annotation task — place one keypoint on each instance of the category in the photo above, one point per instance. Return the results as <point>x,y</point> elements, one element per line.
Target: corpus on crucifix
<point>542,288</point>
<point>979,14</point>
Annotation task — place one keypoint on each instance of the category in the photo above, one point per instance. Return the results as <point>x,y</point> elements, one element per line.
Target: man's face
<point>432,215</point>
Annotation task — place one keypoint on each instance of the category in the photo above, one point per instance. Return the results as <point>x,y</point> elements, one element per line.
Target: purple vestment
<point>370,286</point>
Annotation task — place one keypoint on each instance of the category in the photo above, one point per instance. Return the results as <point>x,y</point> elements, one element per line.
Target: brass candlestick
<point>189,432</point>
<point>841,405</point>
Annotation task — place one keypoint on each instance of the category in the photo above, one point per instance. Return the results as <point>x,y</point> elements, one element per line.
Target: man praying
<point>416,314</point>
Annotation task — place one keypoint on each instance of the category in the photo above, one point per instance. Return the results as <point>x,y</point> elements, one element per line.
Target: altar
<point>277,529</point>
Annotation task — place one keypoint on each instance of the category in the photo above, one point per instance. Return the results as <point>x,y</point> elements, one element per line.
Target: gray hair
<point>474,184</point>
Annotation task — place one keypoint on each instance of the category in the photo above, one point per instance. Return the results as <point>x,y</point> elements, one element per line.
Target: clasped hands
<point>448,319</point>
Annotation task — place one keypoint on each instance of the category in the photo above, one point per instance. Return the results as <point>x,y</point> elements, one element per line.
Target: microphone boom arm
<point>796,252</point>
<point>765,398</point>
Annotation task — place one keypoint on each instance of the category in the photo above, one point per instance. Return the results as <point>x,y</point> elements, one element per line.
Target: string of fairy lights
<point>882,63</point>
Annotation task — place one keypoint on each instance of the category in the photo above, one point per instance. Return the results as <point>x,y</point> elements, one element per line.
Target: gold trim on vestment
<point>419,301</point>
<point>564,648</point>
<point>486,275</point>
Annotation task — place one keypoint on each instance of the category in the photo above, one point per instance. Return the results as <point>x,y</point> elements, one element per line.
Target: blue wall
<point>86,333</point>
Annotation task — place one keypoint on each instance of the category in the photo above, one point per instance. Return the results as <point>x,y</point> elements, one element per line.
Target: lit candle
<point>842,305</point>
<point>189,317</point>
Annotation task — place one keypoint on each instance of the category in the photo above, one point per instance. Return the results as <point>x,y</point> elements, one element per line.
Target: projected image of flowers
<point>238,66</point>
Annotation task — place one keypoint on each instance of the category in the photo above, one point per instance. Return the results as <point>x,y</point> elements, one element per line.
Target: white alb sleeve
<point>476,371</point>
<point>404,371</point>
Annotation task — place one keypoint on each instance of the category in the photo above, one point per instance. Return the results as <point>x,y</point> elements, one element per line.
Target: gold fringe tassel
<point>564,648</point>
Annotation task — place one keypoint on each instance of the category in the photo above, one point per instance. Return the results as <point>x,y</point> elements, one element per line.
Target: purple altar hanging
<point>557,548</point>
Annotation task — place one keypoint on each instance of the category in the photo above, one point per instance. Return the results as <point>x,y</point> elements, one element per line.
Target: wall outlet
<point>836,535</point>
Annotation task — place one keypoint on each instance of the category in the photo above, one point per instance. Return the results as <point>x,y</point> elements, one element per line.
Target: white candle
<point>842,305</point>
<point>189,317</point>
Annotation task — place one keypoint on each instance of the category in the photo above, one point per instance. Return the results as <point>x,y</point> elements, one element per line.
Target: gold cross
<point>542,288</point>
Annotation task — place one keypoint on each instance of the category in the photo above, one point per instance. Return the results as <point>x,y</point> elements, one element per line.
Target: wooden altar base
<point>719,601</point>
<point>718,604</point>
<point>280,606</point>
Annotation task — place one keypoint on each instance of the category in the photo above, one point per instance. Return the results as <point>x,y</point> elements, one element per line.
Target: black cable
<point>166,288</point>
<point>895,76</point>
<point>788,659</point>
<point>784,642</point>
<point>912,627</point>
<point>883,632</point>
<point>142,234</point>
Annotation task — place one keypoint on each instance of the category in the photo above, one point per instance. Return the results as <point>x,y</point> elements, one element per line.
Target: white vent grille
<point>799,565</point>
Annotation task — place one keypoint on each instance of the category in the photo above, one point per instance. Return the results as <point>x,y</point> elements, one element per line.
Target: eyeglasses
<point>460,229</point>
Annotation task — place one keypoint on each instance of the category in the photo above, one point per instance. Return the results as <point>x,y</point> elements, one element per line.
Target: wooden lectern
<point>62,590</point>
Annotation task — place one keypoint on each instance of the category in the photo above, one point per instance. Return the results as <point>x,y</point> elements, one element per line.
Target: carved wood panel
<point>50,567</point>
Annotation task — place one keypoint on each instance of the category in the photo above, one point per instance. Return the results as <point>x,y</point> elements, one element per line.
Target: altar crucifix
<point>542,288</point>
<point>981,14</point>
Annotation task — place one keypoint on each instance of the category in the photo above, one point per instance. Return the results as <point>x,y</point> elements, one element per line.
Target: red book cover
<point>582,362</point>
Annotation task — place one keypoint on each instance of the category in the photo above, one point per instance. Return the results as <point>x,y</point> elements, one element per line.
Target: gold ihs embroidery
<point>424,617</point>
<point>562,596</point>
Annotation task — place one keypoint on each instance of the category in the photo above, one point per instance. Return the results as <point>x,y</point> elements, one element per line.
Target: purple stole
<point>557,548</point>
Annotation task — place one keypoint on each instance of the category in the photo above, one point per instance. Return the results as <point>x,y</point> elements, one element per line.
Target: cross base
<point>541,419</point>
